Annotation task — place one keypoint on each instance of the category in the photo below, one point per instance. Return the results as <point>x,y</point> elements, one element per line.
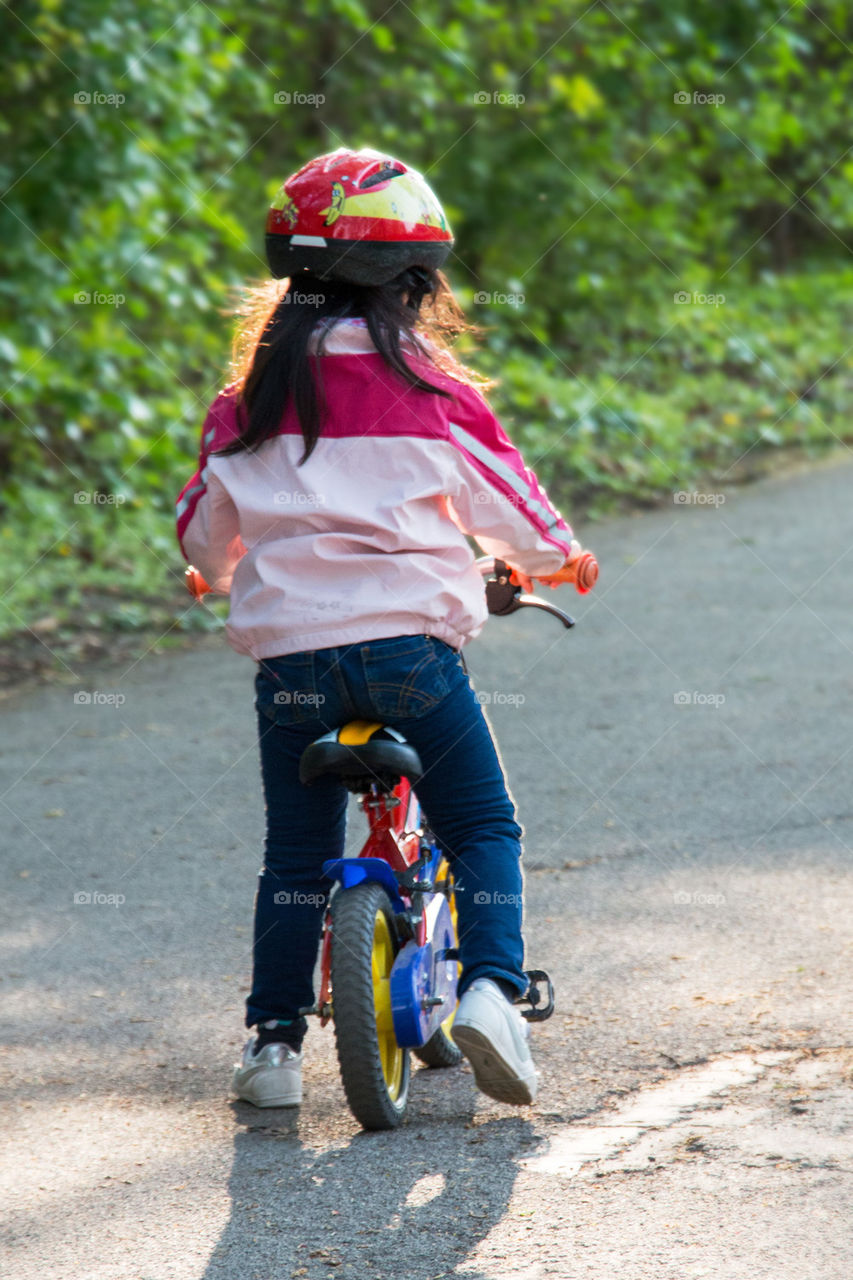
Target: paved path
<point>682,765</point>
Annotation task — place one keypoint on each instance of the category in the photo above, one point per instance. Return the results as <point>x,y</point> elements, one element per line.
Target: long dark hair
<point>272,363</point>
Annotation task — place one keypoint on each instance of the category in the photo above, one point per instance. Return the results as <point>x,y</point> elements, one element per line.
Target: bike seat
<point>361,753</point>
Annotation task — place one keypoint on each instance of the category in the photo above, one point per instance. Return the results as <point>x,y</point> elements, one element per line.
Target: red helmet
<point>360,216</point>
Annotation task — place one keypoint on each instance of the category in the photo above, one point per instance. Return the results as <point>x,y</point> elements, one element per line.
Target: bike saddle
<point>362,754</point>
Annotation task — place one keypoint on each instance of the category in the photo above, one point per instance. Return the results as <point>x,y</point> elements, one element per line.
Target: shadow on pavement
<point>412,1203</point>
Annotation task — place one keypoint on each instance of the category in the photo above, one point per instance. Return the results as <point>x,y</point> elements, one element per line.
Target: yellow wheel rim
<point>390,1053</point>
<point>445,875</point>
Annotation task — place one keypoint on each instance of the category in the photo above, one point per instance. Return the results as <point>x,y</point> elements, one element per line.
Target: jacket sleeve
<point>208,522</point>
<point>496,498</point>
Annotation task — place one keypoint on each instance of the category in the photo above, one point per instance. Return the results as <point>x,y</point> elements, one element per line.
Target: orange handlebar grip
<point>582,573</point>
<point>586,572</point>
<point>196,584</point>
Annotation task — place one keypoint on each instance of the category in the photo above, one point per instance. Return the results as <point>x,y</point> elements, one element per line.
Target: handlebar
<point>582,572</point>
<point>504,593</point>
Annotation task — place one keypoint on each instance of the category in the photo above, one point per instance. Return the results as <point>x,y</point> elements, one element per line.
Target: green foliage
<point>595,161</point>
<point>706,398</point>
<point>114,227</point>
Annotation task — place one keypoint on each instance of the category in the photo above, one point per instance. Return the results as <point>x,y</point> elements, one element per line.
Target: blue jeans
<point>417,684</point>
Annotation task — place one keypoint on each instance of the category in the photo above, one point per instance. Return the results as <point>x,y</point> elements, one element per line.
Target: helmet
<point>360,216</point>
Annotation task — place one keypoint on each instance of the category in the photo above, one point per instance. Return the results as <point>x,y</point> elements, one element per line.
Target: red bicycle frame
<point>394,836</point>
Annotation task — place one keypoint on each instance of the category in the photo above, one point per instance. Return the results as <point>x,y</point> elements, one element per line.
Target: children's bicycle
<point>389,960</point>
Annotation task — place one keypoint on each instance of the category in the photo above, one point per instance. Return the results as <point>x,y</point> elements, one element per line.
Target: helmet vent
<point>387,171</point>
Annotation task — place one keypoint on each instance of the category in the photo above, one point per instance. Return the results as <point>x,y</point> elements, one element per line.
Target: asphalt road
<point>681,763</point>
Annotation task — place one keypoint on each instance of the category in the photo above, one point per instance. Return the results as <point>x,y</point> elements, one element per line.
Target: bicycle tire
<point>441,1050</point>
<point>375,1070</point>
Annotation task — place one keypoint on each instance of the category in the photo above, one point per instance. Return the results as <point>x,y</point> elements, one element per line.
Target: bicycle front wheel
<point>374,1068</point>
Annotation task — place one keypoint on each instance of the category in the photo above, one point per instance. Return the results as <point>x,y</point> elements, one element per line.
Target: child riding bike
<point>340,473</point>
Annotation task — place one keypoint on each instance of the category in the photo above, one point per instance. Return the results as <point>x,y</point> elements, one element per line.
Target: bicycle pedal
<point>533,996</point>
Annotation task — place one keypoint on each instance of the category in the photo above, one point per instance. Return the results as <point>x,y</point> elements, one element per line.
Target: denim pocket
<point>404,676</point>
<point>285,690</point>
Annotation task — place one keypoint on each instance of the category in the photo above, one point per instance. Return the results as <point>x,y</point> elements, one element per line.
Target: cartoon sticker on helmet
<point>336,208</point>
<point>286,206</point>
<point>400,200</point>
<point>433,216</point>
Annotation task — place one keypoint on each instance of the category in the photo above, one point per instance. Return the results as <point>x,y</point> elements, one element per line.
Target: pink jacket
<point>367,538</point>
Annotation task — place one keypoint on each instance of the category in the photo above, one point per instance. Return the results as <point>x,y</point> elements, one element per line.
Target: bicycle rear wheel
<point>375,1070</point>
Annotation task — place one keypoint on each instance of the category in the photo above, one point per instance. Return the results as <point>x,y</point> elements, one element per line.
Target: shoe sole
<point>245,1093</point>
<point>271,1102</point>
<point>493,1074</point>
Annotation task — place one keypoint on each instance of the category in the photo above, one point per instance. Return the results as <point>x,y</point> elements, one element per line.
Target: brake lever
<point>534,602</point>
<point>501,594</point>
<point>504,597</point>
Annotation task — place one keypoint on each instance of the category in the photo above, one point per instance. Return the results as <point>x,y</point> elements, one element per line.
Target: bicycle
<point>389,961</point>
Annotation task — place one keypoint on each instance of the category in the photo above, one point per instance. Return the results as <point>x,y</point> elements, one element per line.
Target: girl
<point>339,475</point>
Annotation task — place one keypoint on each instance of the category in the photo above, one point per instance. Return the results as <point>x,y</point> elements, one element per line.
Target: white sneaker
<point>272,1078</point>
<point>493,1036</point>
